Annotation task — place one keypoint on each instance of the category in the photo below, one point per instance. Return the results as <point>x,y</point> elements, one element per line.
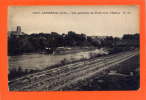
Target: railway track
<point>58,78</point>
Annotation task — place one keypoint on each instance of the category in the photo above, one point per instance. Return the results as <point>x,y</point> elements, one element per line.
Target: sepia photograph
<point>73,48</point>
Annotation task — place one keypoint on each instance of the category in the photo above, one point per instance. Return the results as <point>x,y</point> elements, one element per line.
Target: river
<point>41,61</point>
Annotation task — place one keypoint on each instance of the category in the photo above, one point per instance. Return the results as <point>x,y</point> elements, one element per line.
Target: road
<point>68,75</point>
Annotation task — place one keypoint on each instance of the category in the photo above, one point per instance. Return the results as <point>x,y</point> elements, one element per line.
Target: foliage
<point>48,42</point>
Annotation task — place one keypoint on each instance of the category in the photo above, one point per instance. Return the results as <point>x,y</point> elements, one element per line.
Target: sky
<point>90,20</point>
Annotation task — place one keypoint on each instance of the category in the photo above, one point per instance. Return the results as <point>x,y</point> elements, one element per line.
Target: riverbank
<point>78,75</point>
<point>19,66</point>
<point>124,76</point>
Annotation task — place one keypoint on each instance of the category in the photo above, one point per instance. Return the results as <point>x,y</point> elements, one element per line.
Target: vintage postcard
<point>73,48</point>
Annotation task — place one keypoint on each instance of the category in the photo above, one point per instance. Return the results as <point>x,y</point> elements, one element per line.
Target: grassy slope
<point>107,81</point>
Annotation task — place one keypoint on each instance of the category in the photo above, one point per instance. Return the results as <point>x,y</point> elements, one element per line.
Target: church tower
<point>18,30</point>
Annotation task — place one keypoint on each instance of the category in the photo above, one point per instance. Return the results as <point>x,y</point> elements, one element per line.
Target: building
<point>18,32</point>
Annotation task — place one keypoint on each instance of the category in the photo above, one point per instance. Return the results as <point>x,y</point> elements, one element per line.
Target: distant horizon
<point>72,31</point>
<point>90,24</point>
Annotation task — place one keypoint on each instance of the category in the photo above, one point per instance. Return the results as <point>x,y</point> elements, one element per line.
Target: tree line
<point>19,44</point>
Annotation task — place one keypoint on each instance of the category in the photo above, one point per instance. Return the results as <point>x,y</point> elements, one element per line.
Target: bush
<point>18,72</point>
